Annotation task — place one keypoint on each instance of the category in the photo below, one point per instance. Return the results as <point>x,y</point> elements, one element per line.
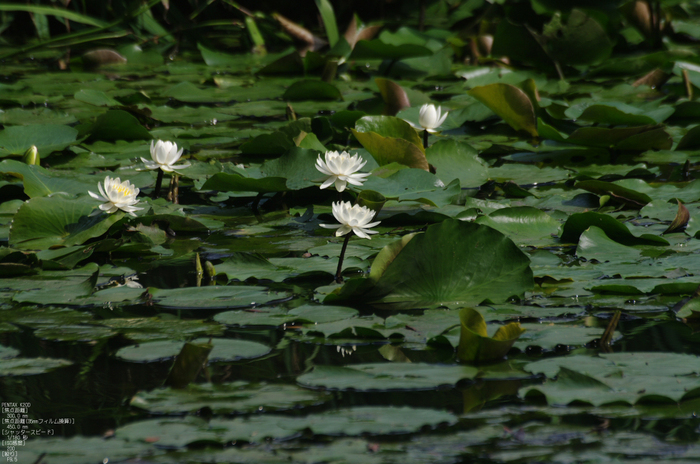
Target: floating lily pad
<point>449,263</point>
<point>386,376</point>
<point>14,140</point>
<point>30,366</point>
<point>213,297</point>
<point>224,350</point>
<point>237,397</point>
<point>277,316</point>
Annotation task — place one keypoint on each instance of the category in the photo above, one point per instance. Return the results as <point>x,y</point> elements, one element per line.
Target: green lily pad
<point>450,263</point>
<point>523,224</point>
<point>618,378</point>
<point>510,103</point>
<point>30,366</point>
<point>386,376</point>
<point>391,140</point>
<point>627,196</point>
<point>235,397</point>
<point>595,244</point>
<point>615,230</point>
<point>213,297</point>
<point>118,125</point>
<point>457,160</point>
<point>44,222</point>
<point>14,140</point>
<point>312,90</point>
<point>278,316</point>
<point>40,182</point>
<point>377,49</point>
<point>224,350</point>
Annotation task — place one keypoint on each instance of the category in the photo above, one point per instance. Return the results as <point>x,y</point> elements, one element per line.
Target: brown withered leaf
<point>680,221</point>
<point>300,33</point>
<point>103,56</point>
<point>353,34</point>
<point>653,79</point>
<point>395,98</point>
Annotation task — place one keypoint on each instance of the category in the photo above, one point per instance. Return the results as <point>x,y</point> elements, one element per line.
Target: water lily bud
<point>431,117</point>
<point>31,156</point>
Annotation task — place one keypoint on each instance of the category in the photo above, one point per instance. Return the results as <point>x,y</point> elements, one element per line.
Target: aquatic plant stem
<point>159,181</point>
<point>425,139</point>
<point>338,277</point>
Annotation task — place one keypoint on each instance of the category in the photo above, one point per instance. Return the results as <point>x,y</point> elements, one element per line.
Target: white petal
<point>96,196</point>
<point>340,184</point>
<point>360,233</point>
<point>328,182</point>
<point>344,229</point>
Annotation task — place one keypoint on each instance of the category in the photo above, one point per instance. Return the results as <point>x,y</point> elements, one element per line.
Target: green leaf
<point>451,263</point>
<point>298,166</point>
<point>614,114</point>
<point>391,140</point>
<point>371,199</point>
<point>72,288</point>
<point>237,183</point>
<point>510,103</point>
<point>40,182</point>
<point>595,244</point>
<point>57,12</point>
<point>213,297</point>
<point>376,49</point>
<point>329,23</point>
<point>457,160</point>
<point>224,350</point>
<point>45,222</point>
<point>389,126</point>
<point>579,222</point>
<point>387,255</point>
<point>187,364</point>
<point>30,366</point>
<point>650,137</point>
<point>312,90</point>
<point>118,125</point>
<point>227,398</point>
<point>272,144</point>
<point>15,140</point>
<point>476,346</point>
<point>95,97</point>
<point>624,195</point>
<point>691,140</point>
<point>582,40</point>
<point>522,224</point>
<point>386,376</point>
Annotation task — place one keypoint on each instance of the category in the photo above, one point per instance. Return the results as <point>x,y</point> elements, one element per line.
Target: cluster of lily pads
<point>529,289</point>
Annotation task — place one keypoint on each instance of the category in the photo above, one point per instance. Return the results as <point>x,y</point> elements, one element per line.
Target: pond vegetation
<point>459,231</point>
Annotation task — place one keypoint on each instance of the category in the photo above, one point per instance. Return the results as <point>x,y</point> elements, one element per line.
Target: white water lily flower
<point>164,155</point>
<point>430,118</point>
<point>341,169</point>
<point>352,218</point>
<point>116,195</point>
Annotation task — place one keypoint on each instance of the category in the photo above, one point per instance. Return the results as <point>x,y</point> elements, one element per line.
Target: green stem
<point>338,277</point>
<point>425,139</point>
<point>159,181</point>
